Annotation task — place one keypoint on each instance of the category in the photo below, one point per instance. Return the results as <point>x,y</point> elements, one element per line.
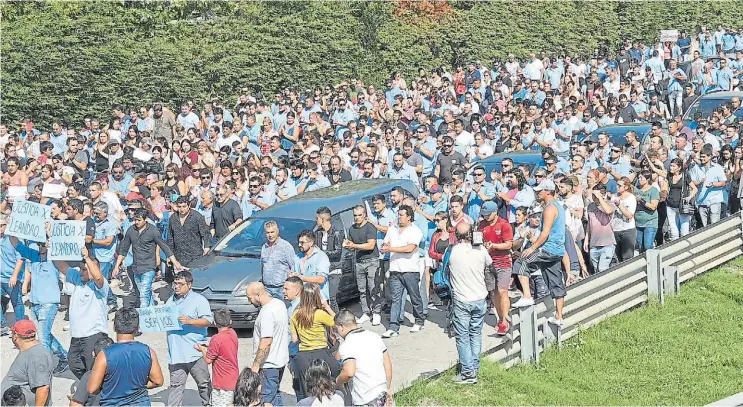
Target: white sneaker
<point>66,327</point>
<point>523,302</point>
<point>416,328</point>
<point>364,319</point>
<point>555,321</point>
<point>376,319</point>
<point>390,334</point>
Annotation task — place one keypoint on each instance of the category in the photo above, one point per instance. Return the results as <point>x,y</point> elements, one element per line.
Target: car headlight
<point>241,289</point>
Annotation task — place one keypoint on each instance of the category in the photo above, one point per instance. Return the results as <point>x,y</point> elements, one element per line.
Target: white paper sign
<point>669,35</point>
<point>53,190</point>
<point>16,193</point>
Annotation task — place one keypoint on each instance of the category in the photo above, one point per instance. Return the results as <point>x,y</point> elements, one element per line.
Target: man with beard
<point>337,173</point>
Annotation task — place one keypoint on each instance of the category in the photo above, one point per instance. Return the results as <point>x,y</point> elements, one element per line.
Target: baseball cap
<point>488,208</point>
<point>545,185</point>
<point>24,328</point>
<point>435,189</point>
<point>591,139</point>
<point>535,210</point>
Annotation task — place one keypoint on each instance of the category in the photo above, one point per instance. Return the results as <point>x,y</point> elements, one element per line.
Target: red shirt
<point>499,233</point>
<point>223,351</point>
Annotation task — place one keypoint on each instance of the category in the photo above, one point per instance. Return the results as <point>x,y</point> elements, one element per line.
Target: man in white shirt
<point>467,264</point>
<point>402,243</point>
<point>270,341</point>
<point>366,363</point>
<point>187,118</point>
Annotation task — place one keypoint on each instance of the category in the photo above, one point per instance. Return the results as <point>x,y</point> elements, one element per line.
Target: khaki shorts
<point>497,278</point>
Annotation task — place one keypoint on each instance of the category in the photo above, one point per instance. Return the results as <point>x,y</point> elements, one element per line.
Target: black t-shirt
<point>89,231</point>
<point>447,162</point>
<point>362,235</point>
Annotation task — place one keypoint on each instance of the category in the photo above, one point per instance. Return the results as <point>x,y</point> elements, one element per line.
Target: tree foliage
<point>66,60</point>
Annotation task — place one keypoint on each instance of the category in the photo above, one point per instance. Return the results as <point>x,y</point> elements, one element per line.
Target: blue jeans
<point>144,285</point>
<point>16,298</point>
<point>106,268</point>
<point>399,283</point>
<point>601,257</point>
<point>270,389</point>
<point>645,238</point>
<point>44,315</point>
<point>468,320</point>
<point>276,292</point>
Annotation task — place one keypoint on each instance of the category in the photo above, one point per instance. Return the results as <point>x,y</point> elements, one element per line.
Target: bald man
<point>270,341</point>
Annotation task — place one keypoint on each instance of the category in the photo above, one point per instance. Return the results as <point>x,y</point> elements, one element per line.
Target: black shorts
<point>551,267</point>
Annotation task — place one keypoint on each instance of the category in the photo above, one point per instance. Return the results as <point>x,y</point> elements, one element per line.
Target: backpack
<point>441,283</point>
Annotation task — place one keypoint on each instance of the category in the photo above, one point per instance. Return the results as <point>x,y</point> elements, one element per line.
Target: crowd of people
<point>158,187</point>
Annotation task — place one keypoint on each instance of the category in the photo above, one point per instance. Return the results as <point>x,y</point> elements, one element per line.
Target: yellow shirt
<point>313,338</point>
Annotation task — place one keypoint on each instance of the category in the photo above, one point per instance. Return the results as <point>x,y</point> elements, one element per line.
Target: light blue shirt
<point>288,190</point>
<point>88,305</point>
<point>320,182</point>
<point>317,264</point>
<point>428,163</point>
<point>120,186</point>
<point>432,208</point>
<point>475,202</point>
<point>707,48</point>
<point>45,275</point>
<point>59,142</point>
<point>622,166</point>
<point>715,173</point>
<point>105,229</point>
<point>250,208</point>
<point>724,78</point>
<point>386,218</point>
<point>8,259</point>
<point>406,172</point>
<point>181,342</point>
<point>675,85</point>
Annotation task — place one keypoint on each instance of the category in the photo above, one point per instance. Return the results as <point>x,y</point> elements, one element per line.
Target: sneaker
<point>555,321</point>
<point>62,366</point>
<point>459,379</point>
<point>4,331</point>
<point>523,302</point>
<point>433,306</point>
<point>364,319</point>
<point>503,327</point>
<point>66,327</point>
<point>376,319</point>
<point>390,334</point>
<point>416,328</point>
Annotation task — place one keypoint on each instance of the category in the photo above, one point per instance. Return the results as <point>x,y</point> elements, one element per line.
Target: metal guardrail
<point>655,274</point>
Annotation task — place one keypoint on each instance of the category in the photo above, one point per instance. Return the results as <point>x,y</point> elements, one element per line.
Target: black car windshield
<point>248,238</point>
<point>705,106</point>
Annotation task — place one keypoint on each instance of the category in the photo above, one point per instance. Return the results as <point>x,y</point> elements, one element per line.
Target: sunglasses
<point>479,174</point>
<point>206,177</point>
<point>255,186</point>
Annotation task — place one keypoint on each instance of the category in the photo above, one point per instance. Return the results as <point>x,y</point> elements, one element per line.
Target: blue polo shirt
<point>428,163</point>
<point>8,258</point>
<point>181,342</point>
<point>320,182</point>
<point>120,186</point>
<point>317,264</point>
<point>45,276</point>
<point>88,305</point>
<point>406,172</point>
<point>248,208</point>
<point>432,208</point>
<point>107,228</point>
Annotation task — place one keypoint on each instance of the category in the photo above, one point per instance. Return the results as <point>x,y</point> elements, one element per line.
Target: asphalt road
<point>414,355</point>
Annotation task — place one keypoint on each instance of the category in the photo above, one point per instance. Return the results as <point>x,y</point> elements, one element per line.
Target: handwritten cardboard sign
<point>28,221</point>
<point>159,318</point>
<point>66,239</point>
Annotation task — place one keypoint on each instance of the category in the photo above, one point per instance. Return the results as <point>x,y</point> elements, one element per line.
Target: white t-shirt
<point>221,142</point>
<point>467,265</point>
<point>404,262</point>
<point>620,222</point>
<point>273,322</point>
<point>367,349</point>
<point>464,141</point>
<point>189,121</point>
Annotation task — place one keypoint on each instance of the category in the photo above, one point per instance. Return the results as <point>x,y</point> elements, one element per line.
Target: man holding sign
<point>88,311</point>
<point>183,358</point>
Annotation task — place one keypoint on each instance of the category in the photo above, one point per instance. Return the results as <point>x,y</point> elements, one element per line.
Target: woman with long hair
<point>289,131</point>
<point>443,238</point>
<point>681,191</point>
<point>309,326</point>
<point>247,389</point>
<point>623,222</point>
<point>321,387</point>
<point>173,184</point>
<point>646,216</point>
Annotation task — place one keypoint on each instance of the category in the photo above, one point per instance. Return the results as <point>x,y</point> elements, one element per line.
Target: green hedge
<point>71,59</point>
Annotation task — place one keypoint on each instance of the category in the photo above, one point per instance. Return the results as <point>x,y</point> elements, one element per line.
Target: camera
<point>477,239</point>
